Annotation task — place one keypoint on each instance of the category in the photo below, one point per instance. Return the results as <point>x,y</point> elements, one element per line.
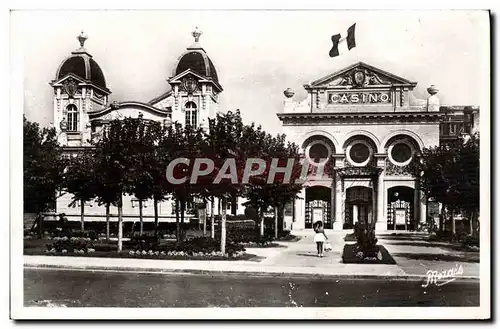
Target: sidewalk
<point>413,259</point>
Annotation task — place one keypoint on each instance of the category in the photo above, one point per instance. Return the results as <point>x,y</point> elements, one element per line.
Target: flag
<point>337,39</point>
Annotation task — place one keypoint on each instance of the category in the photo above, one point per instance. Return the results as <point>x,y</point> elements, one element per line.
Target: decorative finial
<point>432,90</point>
<point>196,34</point>
<point>289,93</point>
<point>82,38</point>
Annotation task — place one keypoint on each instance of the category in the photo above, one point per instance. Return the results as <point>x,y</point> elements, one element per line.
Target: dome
<point>197,60</point>
<point>82,65</point>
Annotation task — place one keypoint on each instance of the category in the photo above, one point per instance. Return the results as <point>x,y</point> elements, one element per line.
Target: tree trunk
<point>155,206</point>
<point>276,222</point>
<point>212,218</point>
<point>82,215</point>
<point>177,222</point>
<point>40,225</point>
<point>452,215</point>
<point>223,228</point>
<point>205,220</point>
<point>107,222</point>
<point>261,221</point>
<point>141,229</point>
<point>471,223</point>
<point>120,224</point>
<point>183,210</point>
<point>442,221</point>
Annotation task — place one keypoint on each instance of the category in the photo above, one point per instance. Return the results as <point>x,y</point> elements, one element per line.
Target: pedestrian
<point>319,237</point>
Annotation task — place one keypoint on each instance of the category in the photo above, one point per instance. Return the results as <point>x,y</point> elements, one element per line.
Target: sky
<point>257,54</point>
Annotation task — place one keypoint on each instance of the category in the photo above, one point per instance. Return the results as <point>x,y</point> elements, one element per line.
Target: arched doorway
<point>318,206</point>
<point>358,206</point>
<point>400,208</point>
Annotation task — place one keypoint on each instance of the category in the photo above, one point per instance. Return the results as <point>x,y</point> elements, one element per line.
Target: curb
<point>276,274</point>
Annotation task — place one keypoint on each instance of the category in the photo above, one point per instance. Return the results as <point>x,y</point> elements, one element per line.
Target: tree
<point>224,141</point>
<point>79,180</point>
<point>115,152</point>
<point>262,193</point>
<point>449,173</point>
<point>144,165</point>
<point>43,166</point>
<point>107,189</point>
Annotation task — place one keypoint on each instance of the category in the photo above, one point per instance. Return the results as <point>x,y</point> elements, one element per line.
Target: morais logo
<point>443,277</point>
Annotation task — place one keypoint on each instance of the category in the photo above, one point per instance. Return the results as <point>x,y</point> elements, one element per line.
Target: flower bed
<point>365,249</point>
<point>196,248</point>
<point>64,245</point>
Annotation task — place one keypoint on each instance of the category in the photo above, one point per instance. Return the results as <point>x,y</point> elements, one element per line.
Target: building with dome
<point>82,107</point>
<point>365,122</point>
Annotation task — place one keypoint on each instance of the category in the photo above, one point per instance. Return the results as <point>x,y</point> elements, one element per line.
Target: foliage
<point>207,245</point>
<point>72,244</point>
<point>43,165</point>
<point>366,240</point>
<point>143,242</point>
<point>449,173</point>
<point>114,155</point>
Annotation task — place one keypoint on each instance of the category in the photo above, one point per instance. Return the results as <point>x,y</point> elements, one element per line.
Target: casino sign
<point>359,97</point>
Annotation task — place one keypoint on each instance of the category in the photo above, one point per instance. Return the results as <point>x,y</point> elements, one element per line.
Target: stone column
<point>374,201</point>
<point>423,208</point>
<point>381,223</point>
<point>338,225</point>
<point>332,200</point>
<point>300,205</point>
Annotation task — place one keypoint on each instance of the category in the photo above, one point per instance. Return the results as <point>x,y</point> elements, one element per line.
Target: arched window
<point>72,118</point>
<point>191,114</point>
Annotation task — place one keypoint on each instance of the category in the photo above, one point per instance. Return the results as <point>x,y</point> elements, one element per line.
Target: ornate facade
<point>366,123</point>
<point>82,108</point>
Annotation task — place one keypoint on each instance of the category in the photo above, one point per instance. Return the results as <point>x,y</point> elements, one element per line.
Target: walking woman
<point>320,237</point>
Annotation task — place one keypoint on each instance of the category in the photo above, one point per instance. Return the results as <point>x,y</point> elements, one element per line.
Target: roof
<point>81,64</point>
<point>197,61</point>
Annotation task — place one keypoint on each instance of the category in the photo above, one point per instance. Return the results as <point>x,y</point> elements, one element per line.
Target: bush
<point>247,235</point>
<point>206,245</point>
<point>143,242</point>
<point>470,241</point>
<point>92,235</point>
<point>365,239</point>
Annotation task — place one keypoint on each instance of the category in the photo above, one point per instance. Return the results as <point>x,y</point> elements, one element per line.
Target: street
<point>52,287</point>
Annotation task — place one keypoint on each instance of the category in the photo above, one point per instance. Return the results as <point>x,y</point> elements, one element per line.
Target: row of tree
<point>449,174</point>
<point>131,157</point>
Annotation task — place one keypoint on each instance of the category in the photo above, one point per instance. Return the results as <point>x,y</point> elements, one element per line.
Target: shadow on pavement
<point>307,255</point>
<point>417,237</point>
<point>439,257</point>
<point>442,245</point>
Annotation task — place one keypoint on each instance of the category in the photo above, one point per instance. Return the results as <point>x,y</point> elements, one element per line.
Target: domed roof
<point>82,65</point>
<point>197,60</point>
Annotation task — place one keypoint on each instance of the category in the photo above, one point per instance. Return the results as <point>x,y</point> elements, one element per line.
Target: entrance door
<point>358,208</point>
<point>363,214</point>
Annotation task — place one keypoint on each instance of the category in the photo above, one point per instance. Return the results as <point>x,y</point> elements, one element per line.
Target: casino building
<point>365,122</point>
<point>361,120</point>
<point>82,107</point>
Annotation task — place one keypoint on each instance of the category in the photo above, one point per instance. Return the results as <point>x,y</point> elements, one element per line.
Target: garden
<point>67,240</point>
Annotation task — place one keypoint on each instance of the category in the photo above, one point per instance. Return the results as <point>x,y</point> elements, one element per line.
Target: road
<point>52,287</point>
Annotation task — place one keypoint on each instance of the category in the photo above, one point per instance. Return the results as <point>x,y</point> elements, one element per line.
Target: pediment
<point>79,81</point>
<point>189,78</point>
<point>129,110</point>
<point>361,75</point>
<point>70,76</point>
